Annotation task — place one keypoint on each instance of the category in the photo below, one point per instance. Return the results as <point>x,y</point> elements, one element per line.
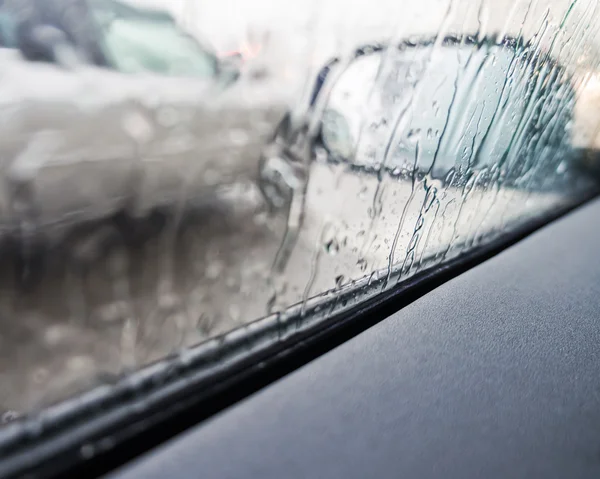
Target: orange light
<point>249,50</point>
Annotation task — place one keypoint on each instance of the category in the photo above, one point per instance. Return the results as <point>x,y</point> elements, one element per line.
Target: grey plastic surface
<point>495,374</point>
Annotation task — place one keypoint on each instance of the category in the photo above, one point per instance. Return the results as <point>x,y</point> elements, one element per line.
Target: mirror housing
<point>229,68</point>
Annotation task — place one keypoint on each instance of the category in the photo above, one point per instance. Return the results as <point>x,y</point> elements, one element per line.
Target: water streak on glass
<point>175,171</point>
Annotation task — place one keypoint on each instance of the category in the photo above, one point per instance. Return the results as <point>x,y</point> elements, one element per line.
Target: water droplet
<point>129,338</point>
<point>214,269</point>
<point>138,127</point>
<point>261,219</point>
<point>168,302</point>
<point>239,137</point>
<point>231,282</point>
<point>332,247</point>
<point>212,176</point>
<point>362,264</point>
<point>414,135</point>
<point>235,312</point>
<point>40,375</point>
<point>80,364</point>
<point>205,324</point>
<point>9,416</point>
<point>87,451</point>
<point>55,334</point>
<point>339,281</point>
<point>271,303</point>
<point>167,116</point>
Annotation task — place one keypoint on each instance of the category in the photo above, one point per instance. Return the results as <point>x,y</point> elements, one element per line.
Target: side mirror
<point>230,67</point>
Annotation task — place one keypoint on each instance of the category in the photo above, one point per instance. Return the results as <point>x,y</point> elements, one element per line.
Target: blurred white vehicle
<point>106,108</point>
<point>460,112</point>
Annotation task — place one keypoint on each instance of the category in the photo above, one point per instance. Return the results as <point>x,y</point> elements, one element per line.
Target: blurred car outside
<point>135,115</point>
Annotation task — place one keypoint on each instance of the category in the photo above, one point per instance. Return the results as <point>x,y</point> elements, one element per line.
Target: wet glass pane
<point>173,171</point>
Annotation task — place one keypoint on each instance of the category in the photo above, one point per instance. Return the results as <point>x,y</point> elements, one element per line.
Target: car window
<point>448,125</point>
<point>8,31</point>
<point>139,41</point>
<point>173,222</point>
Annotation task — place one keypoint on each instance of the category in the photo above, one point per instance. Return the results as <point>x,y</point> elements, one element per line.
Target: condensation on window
<point>174,171</point>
